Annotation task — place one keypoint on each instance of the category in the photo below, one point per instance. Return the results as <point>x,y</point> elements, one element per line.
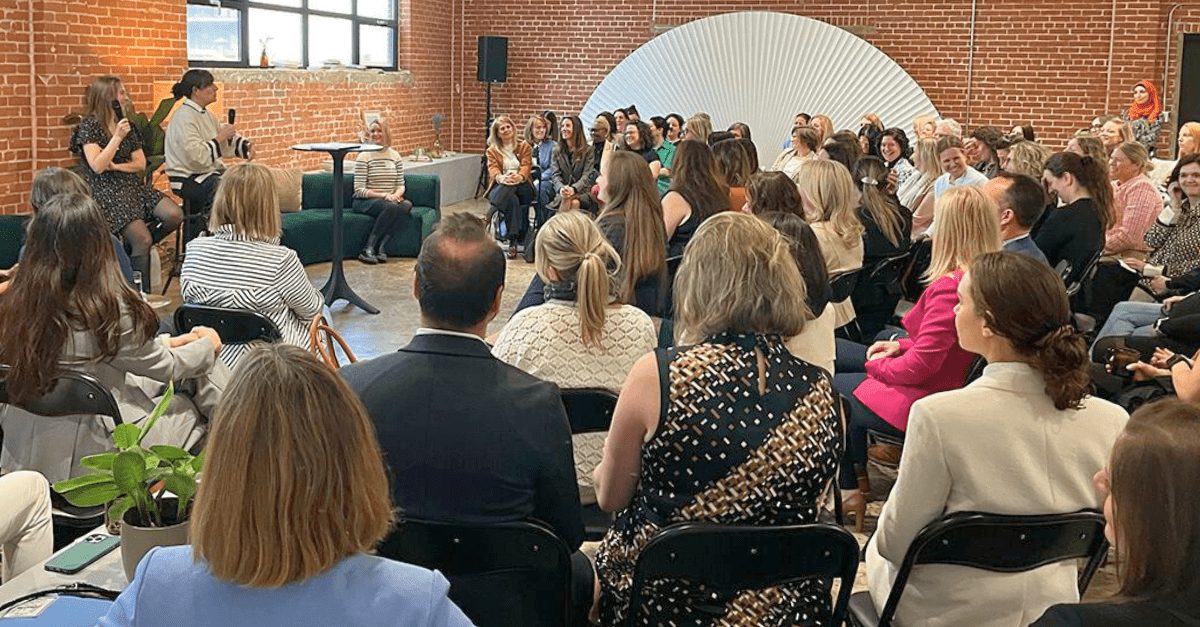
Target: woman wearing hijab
<point>1145,115</point>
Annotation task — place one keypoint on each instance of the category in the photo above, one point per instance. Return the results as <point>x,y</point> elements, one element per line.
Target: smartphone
<point>82,553</point>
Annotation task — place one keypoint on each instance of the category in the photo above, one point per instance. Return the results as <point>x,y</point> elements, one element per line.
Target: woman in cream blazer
<point>1023,439</point>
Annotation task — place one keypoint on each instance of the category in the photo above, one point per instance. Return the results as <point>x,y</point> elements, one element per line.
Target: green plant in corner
<point>125,477</point>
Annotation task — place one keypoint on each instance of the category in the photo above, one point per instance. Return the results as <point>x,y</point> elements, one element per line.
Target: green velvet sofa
<point>12,235</point>
<point>309,231</point>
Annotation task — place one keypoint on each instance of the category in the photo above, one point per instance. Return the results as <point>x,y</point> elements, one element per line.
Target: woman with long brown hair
<point>632,220</point>
<point>1075,231</point>
<point>110,151</point>
<point>70,309</point>
<point>697,191</point>
<point>1033,398</point>
<point>574,165</point>
<point>291,545</point>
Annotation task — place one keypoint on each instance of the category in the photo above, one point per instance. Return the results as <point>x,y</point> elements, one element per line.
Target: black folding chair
<point>730,559</point>
<point>590,410</point>
<point>841,287</point>
<point>993,542</point>
<point>501,574</point>
<point>235,326</point>
<point>72,393</point>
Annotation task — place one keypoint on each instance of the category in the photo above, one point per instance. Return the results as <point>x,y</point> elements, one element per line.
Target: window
<point>298,33</point>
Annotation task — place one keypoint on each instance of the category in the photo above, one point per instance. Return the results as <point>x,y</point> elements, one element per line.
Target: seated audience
<point>842,148</point>
<point>698,127</point>
<point>537,135</point>
<point>739,292</point>
<point>502,451</point>
<point>916,193</point>
<point>1028,158</point>
<point>882,381</point>
<point>947,127</point>
<point>1024,131</point>
<point>802,150</point>
<point>1090,146</point>
<point>621,117</point>
<point>924,126</point>
<point>70,309</point>
<point>1145,115</point>
<point>632,221</point>
<point>1136,201</point>
<point>638,141</point>
<point>982,146</point>
<point>574,170</point>
<point>1074,232</point>
<point>887,233</point>
<point>243,266</point>
<point>1148,487</point>
<point>824,127</point>
<point>830,207</point>
<point>1021,201</point>
<point>740,130</point>
<point>294,498</point>
<point>893,149</point>
<point>1024,438</point>
<point>581,337</point>
<point>26,532</point>
<point>733,162</point>
<point>1189,139</point>
<point>870,131</point>
<point>815,344</point>
<point>768,192</point>
<point>510,189</point>
<point>1114,132</point>
<point>675,124</point>
<point>603,140</point>
<point>379,192</point>
<point>665,150</point>
<point>955,170</point>
<point>697,191</point>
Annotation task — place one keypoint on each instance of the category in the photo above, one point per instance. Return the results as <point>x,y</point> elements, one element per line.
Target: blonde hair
<point>97,102</point>
<point>294,478</point>
<point>494,140</point>
<point>572,244</point>
<point>827,184</point>
<point>387,133</point>
<point>701,125</point>
<point>966,227</point>
<point>738,276</point>
<point>1137,154</point>
<point>1094,148</point>
<point>920,121</point>
<point>823,126</point>
<point>246,198</point>
<point>926,159</point>
<point>1028,158</point>
<point>527,133</point>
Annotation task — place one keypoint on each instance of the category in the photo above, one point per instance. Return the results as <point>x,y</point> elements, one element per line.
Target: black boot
<point>368,253</point>
<point>381,251</point>
<point>141,263</point>
<point>158,230</point>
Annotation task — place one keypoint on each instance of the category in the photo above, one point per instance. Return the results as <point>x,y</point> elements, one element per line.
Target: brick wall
<point>1042,62</point>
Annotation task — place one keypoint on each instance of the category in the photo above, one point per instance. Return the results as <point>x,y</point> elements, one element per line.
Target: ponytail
<point>572,245</point>
<point>1061,356</point>
<point>1093,176</point>
<point>192,80</point>
<point>592,290</point>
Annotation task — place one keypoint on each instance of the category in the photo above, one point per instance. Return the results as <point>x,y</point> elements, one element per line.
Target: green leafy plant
<point>124,478</point>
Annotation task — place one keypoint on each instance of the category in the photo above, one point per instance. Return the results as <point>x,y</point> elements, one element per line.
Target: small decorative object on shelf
<point>263,61</point>
<point>436,152</point>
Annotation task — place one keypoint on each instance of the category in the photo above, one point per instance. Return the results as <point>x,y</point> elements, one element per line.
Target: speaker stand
<point>487,125</point>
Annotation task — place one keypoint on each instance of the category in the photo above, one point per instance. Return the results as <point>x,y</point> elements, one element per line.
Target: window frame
<point>243,7</point>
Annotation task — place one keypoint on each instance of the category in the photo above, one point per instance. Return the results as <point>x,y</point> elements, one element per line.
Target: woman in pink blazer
<point>881,382</point>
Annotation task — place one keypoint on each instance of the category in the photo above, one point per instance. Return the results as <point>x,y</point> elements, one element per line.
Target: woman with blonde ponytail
<point>581,336</point>
<point>1024,438</point>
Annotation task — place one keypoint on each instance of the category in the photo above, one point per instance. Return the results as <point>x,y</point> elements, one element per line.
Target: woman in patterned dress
<point>110,151</point>
<point>739,293</point>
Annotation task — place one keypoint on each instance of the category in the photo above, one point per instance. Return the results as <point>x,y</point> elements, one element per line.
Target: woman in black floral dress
<point>111,154</point>
<point>728,427</point>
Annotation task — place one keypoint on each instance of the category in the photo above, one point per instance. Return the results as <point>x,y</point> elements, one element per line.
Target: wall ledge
<point>235,76</point>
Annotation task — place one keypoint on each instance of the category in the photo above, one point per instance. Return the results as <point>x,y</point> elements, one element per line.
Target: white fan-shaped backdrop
<point>762,68</point>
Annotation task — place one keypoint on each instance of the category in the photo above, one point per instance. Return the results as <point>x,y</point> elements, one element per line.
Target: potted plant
<point>135,483</point>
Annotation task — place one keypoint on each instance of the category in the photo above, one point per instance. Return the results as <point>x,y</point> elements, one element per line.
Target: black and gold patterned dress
<point>724,453</point>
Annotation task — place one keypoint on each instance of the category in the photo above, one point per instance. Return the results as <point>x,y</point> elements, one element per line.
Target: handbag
<point>325,341</point>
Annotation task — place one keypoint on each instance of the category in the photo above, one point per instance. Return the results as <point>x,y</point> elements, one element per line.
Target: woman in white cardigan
<point>1022,439</point>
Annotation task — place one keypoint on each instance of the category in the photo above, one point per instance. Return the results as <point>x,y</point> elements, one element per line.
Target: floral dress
<point>723,453</point>
<point>123,196</point>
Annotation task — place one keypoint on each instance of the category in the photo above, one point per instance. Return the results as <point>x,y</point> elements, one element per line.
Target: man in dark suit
<point>469,438</point>
<point>1021,201</point>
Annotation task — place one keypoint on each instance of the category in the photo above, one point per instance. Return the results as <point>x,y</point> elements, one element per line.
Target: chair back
<point>1084,277</point>
<point>325,342</point>
<point>235,326</point>
<point>71,393</point>
<point>729,559</point>
<point>1005,544</point>
<point>841,285</point>
<point>890,271</point>
<point>590,410</point>
<point>508,573</point>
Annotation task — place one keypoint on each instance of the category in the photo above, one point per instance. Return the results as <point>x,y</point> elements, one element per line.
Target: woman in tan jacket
<point>510,191</point>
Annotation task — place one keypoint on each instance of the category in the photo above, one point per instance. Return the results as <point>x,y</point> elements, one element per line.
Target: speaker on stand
<point>493,68</point>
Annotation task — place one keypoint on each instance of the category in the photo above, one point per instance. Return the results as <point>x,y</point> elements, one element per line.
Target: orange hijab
<point>1150,109</point>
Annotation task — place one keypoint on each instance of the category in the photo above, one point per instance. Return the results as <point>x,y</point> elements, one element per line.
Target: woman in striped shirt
<point>243,266</point>
<point>379,192</point>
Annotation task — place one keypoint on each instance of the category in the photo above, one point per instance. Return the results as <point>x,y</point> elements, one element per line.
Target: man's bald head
<point>459,272</point>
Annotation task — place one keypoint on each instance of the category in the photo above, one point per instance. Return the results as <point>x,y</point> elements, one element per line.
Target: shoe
<point>380,255</point>
<point>853,502</point>
<point>864,481</point>
<point>512,251</point>
<point>886,454</point>
<point>367,256</point>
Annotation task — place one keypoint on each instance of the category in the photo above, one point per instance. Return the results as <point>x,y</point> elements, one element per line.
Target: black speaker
<point>493,59</point>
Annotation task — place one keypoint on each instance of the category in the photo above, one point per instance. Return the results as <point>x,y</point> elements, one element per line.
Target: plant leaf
<point>164,108</point>
<point>119,508</point>
<point>170,453</point>
<point>93,495</point>
<point>102,461</point>
<point>198,463</point>
<point>66,485</point>
<point>184,488</point>
<point>152,460</point>
<point>159,410</point>
<point>127,435</point>
<point>129,473</point>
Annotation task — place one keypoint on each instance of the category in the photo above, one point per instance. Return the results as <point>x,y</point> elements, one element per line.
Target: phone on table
<point>82,553</point>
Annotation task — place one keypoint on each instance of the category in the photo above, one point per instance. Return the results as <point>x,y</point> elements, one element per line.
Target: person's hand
<point>1160,357</point>
<point>567,192</point>
<point>1143,371</point>
<point>1135,263</point>
<point>250,152</point>
<point>396,197</point>
<point>893,182</point>
<point>7,274</point>
<point>1171,301</point>
<point>180,340</point>
<point>879,350</point>
<point>1175,193</point>
<point>226,133</point>
<point>1158,284</point>
<point>206,332</point>
<point>122,130</point>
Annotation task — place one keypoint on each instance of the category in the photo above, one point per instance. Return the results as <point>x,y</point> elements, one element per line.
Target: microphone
<point>116,107</point>
<point>232,115</point>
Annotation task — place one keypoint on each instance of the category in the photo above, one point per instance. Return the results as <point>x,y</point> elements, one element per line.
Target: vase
<point>263,61</point>
<point>136,540</point>
<point>436,151</point>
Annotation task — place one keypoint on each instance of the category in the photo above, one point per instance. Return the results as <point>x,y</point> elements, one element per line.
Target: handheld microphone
<point>232,115</point>
<point>116,107</point>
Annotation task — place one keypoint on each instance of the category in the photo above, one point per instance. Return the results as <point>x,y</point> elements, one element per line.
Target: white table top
<point>106,572</point>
